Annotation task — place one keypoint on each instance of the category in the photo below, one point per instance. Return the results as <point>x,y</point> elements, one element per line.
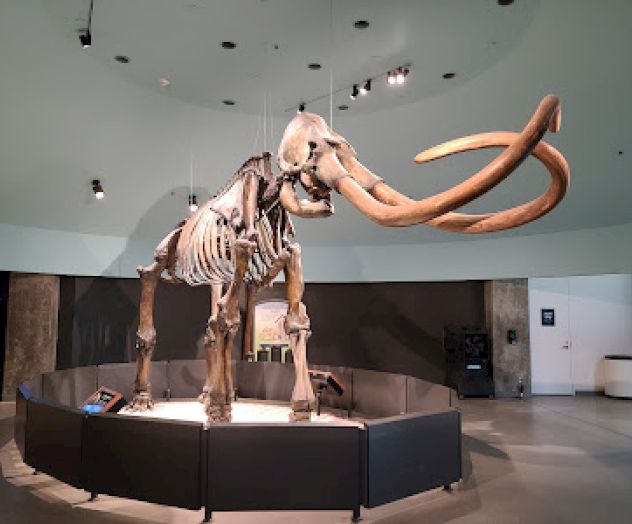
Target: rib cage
<point>206,246</point>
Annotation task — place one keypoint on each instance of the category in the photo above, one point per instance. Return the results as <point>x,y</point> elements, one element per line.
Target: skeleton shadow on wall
<point>99,315</point>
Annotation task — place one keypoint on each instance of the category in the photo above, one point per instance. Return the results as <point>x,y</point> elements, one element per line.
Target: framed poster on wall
<point>270,342</point>
<point>547,317</point>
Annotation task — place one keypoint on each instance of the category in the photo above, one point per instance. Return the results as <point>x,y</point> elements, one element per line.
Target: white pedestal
<point>618,376</point>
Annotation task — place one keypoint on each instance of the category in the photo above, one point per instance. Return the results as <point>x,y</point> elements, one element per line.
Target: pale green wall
<point>583,252</point>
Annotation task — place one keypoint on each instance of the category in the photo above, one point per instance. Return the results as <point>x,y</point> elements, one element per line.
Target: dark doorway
<point>4,303</point>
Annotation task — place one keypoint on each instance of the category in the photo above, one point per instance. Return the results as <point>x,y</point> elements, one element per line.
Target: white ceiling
<point>69,115</point>
<point>276,40</point>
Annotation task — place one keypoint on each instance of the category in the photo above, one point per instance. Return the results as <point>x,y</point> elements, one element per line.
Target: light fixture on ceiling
<point>354,92</point>
<point>164,82</point>
<point>122,59</point>
<point>447,76</point>
<point>365,88</point>
<point>401,75</point>
<point>343,107</point>
<point>301,108</point>
<point>229,45</point>
<point>391,78</point>
<point>361,24</point>
<point>86,37</point>
<point>228,102</point>
<point>314,66</point>
<point>193,205</point>
<point>97,189</point>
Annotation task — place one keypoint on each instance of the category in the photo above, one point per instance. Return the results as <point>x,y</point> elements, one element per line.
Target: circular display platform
<point>244,411</point>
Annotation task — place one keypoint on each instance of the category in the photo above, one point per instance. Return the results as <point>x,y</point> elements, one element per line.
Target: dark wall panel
<point>99,317</point>
<point>394,327</point>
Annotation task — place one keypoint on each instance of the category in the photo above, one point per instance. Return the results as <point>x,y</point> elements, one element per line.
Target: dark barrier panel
<point>186,377</point>
<point>378,394</point>
<point>22,395</point>
<point>53,441</point>
<point>345,376</point>
<point>422,395</point>
<point>153,460</point>
<point>410,454</point>
<point>277,466</point>
<point>70,387</point>
<point>265,380</point>
<point>121,377</point>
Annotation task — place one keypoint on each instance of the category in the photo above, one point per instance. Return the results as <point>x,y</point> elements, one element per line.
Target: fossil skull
<point>322,161</point>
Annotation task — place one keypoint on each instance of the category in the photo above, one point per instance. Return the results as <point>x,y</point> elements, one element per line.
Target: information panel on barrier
<point>104,400</point>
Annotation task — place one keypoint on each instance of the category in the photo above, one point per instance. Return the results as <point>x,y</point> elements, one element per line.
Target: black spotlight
<point>193,205</point>
<point>354,92</point>
<point>97,189</point>
<point>86,38</point>
<point>301,107</point>
<point>366,87</point>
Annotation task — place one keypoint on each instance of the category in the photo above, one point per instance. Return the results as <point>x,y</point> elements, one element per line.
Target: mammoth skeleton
<point>242,236</point>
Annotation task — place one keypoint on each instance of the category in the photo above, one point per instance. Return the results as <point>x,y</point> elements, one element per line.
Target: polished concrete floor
<point>544,460</point>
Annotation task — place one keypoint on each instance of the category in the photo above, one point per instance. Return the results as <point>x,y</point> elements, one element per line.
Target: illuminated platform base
<point>244,411</point>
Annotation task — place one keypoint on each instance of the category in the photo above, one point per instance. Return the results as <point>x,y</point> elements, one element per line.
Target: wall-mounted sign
<point>547,317</point>
<point>270,342</point>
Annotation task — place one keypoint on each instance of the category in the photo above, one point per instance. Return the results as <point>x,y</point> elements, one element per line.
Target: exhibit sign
<point>102,400</point>
<point>547,317</point>
<point>270,341</point>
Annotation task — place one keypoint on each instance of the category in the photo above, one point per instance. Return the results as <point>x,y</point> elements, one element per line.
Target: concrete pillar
<point>31,328</point>
<point>507,308</point>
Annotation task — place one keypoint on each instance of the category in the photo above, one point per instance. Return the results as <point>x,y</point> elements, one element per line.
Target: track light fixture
<point>397,76</point>
<point>97,188</point>
<point>86,38</point>
<point>401,75</point>
<point>393,77</point>
<point>193,206</point>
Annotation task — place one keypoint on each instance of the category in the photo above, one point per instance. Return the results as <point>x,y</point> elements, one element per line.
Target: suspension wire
<point>331,65</point>
<point>190,170</point>
<point>271,120</point>
<point>256,141</point>
<point>265,122</point>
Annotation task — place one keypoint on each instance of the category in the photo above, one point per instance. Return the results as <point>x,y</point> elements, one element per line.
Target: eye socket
<point>312,145</point>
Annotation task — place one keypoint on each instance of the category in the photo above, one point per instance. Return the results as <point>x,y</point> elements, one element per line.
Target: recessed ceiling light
<point>314,66</point>
<point>361,24</point>
<point>122,59</point>
<point>228,102</point>
<point>447,76</point>
<point>505,2</point>
<point>620,152</point>
<point>229,45</point>
<point>164,82</point>
<point>343,107</point>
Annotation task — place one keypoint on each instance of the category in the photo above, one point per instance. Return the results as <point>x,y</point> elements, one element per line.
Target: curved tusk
<point>390,208</point>
<point>517,216</point>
